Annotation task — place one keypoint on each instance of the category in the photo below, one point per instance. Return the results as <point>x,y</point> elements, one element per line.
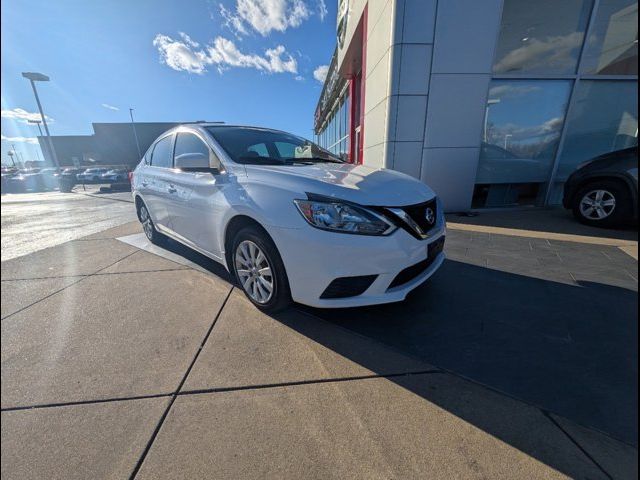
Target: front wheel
<point>605,203</point>
<point>259,270</point>
<point>149,228</point>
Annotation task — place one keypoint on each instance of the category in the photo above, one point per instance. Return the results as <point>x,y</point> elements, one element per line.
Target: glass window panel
<point>332,130</point>
<point>260,149</point>
<point>523,121</point>
<point>162,156</point>
<point>339,115</point>
<point>187,143</point>
<point>339,120</point>
<point>345,118</point>
<point>604,118</point>
<point>542,36</point>
<point>286,149</point>
<point>612,47</point>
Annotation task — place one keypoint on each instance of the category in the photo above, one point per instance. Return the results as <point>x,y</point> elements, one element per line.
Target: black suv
<point>603,192</point>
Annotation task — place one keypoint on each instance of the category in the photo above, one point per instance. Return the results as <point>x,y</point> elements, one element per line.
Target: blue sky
<point>244,61</point>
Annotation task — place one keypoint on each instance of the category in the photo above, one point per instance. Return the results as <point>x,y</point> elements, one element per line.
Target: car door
<point>196,201</point>
<point>156,180</point>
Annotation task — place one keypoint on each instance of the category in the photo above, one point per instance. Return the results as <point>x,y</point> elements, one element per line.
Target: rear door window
<point>162,155</point>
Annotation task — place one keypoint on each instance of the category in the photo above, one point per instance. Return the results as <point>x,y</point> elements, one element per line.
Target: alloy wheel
<point>145,219</point>
<point>254,272</point>
<point>597,204</point>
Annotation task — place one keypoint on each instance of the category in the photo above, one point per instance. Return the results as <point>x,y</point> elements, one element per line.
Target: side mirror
<point>192,161</point>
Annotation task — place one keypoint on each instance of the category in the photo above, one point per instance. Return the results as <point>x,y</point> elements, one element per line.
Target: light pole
<point>506,139</point>
<point>135,134</point>
<point>491,101</point>
<point>38,122</point>
<point>15,152</point>
<point>39,77</point>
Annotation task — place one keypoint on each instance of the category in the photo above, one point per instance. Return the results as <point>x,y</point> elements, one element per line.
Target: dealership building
<point>114,144</point>
<point>491,102</point>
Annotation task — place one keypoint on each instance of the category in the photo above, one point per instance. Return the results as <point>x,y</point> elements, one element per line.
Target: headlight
<point>343,217</point>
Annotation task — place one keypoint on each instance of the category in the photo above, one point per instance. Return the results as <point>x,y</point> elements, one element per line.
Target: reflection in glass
<point>542,36</point>
<point>612,46</point>
<point>603,118</point>
<point>523,121</point>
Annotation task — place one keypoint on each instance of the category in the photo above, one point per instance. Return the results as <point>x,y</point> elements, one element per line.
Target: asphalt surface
<point>34,221</point>
<point>124,360</point>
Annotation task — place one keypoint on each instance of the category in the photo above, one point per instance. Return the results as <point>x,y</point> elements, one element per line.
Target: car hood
<point>355,183</point>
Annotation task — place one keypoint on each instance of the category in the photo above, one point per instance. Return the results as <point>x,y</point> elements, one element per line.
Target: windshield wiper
<point>314,160</point>
<point>262,160</point>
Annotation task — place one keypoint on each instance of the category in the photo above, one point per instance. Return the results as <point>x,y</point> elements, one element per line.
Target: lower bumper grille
<point>409,273</point>
<point>344,287</point>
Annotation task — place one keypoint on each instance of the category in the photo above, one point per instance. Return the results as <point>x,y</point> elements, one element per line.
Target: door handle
<point>144,184</point>
<point>172,189</point>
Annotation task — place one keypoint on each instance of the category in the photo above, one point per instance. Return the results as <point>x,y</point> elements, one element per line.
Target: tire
<point>254,280</point>
<point>152,234</point>
<point>603,203</point>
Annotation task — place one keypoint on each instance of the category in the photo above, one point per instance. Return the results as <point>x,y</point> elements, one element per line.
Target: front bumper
<point>314,258</point>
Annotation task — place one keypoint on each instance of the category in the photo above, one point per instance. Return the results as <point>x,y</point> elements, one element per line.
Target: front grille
<point>344,287</point>
<point>409,273</point>
<point>418,220</point>
<point>418,214</point>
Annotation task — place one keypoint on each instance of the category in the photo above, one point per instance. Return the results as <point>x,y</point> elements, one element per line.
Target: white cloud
<point>23,116</point>
<point>320,73</point>
<point>110,107</point>
<point>322,10</point>
<point>31,140</point>
<point>558,52</point>
<point>180,55</point>
<point>234,22</point>
<point>187,55</point>
<point>510,90</point>
<point>299,78</point>
<point>548,129</point>
<point>265,16</point>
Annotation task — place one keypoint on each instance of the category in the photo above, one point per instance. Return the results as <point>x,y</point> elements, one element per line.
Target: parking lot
<point>518,359</point>
<point>33,221</point>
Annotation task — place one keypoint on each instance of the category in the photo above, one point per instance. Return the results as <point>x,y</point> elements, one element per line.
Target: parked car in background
<point>50,178</point>
<point>71,173</point>
<point>91,175</point>
<point>290,220</point>
<point>26,180</point>
<point>117,175</point>
<point>7,173</point>
<point>603,191</point>
<point>68,178</point>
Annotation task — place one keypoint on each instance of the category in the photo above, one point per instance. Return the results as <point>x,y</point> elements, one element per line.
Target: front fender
<point>269,205</point>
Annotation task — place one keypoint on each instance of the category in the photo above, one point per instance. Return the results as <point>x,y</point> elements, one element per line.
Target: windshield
<point>259,146</point>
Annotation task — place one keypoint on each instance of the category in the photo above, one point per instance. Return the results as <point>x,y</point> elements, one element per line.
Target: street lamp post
<point>506,139</point>
<point>39,77</point>
<point>38,122</point>
<point>15,152</point>
<point>135,134</point>
<point>491,101</point>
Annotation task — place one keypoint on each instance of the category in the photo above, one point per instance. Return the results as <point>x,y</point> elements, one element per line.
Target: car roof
<point>224,125</point>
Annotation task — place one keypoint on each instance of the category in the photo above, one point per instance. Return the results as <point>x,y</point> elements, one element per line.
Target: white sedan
<point>287,218</point>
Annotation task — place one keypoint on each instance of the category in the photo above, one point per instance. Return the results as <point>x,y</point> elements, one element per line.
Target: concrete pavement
<point>117,362</point>
<point>34,221</point>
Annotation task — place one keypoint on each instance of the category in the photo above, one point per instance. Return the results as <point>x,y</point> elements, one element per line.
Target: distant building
<point>110,144</point>
<point>491,102</point>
